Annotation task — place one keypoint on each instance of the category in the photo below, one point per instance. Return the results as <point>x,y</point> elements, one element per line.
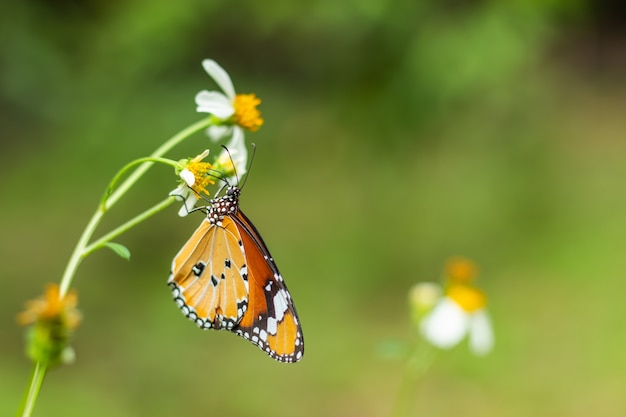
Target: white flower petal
<point>219,132</point>
<point>203,155</point>
<point>188,177</point>
<point>181,191</point>
<point>446,324</point>
<point>189,204</point>
<point>189,199</point>
<point>220,76</point>
<point>481,337</point>
<point>214,103</point>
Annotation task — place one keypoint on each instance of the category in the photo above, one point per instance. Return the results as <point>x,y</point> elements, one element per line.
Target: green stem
<point>77,254</point>
<point>128,225</point>
<point>417,364</point>
<point>33,391</point>
<point>124,170</point>
<point>160,151</point>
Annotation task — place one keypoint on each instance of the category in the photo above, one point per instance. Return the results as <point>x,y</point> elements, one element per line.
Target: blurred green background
<point>398,133</point>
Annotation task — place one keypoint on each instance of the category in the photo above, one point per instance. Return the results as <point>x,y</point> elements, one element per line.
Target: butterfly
<point>225,278</point>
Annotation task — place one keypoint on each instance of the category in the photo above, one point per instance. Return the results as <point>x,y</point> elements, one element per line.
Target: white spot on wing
<point>271,325</point>
<point>280,305</point>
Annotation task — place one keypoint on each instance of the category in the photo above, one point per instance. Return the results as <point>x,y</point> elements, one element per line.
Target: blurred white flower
<point>448,323</point>
<point>460,313</point>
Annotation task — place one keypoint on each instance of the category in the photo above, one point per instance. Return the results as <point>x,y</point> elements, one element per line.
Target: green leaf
<point>121,250</point>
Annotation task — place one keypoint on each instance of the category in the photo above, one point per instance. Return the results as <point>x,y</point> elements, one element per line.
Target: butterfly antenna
<point>232,162</point>
<point>181,198</point>
<point>249,166</point>
<point>217,174</point>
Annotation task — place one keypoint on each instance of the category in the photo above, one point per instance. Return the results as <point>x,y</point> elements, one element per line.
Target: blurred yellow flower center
<point>225,165</point>
<point>246,113</point>
<point>468,298</point>
<point>52,307</point>
<point>460,270</point>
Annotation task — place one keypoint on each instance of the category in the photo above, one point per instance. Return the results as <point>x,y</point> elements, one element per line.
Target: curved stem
<point>128,225</point>
<point>169,144</point>
<point>123,172</point>
<point>77,254</point>
<point>114,196</point>
<point>33,391</point>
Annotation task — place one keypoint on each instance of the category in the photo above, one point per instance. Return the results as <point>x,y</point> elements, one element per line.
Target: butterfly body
<point>225,278</point>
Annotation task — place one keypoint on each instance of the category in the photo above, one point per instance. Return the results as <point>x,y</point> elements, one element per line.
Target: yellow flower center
<point>460,270</point>
<point>200,171</point>
<point>246,113</point>
<point>468,298</point>
<point>52,307</point>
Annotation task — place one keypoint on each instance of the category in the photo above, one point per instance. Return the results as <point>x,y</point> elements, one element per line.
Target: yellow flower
<point>52,307</point>
<point>196,176</point>
<point>52,320</point>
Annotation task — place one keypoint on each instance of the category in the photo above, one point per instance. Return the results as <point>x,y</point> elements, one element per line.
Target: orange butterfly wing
<point>271,321</point>
<point>209,277</point>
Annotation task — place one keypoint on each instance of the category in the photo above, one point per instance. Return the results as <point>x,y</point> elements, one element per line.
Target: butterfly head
<point>226,205</point>
<point>233,191</point>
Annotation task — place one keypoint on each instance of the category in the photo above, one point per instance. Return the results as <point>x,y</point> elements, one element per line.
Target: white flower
<point>449,322</point>
<point>236,111</point>
<point>460,312</point>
